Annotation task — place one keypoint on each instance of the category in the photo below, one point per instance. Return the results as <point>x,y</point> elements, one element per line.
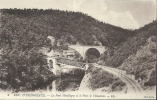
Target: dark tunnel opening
<point>92,55</point>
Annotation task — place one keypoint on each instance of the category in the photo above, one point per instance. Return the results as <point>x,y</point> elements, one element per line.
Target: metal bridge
<point>70,62</point>
<point>57,64</point>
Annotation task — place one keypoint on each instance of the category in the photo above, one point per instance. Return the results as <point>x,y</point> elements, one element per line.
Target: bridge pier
<point>53,66</point>
<point>60,65</point>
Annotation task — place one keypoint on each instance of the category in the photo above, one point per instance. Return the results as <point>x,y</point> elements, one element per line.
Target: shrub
<point>117,84</point>
<point>152,79</point>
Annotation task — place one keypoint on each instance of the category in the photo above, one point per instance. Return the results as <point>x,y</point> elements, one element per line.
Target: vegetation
<point>115,56</point>
<point>65,26</point>
<point>24,32</point>
<point>100,78</point>
<point>152,79</point>
<point>142,64</point>
<point>137,55</point>
<point>118,86</point>
<point>25,71</point>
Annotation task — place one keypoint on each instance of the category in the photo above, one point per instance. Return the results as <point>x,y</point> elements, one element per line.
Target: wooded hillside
<point>24,32</point>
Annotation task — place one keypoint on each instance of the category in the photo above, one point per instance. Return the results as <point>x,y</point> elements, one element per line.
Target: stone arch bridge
<point>83,49</point>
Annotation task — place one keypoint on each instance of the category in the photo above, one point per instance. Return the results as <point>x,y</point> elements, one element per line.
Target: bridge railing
<point>70,62</point>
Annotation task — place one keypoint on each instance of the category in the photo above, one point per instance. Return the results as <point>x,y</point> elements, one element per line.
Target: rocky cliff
<point>142,64</point>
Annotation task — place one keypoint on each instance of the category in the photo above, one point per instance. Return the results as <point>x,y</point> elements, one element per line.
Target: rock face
<point>143,63</point>
<point>96,79</point>
<point>85,83</point>
<point>52,39</point>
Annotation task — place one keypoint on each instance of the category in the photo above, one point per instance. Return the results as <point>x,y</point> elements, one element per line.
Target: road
<point>133,86</point>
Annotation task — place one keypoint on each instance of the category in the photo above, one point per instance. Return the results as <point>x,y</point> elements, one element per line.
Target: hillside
<point>65,26</point>
<point>115,56</point>
<point>143,64</point>
<point>137,55</point>
<point>24,32</point>
<point>99,79</point>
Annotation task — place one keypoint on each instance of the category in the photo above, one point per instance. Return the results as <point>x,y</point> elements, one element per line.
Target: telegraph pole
<point>121,74</point>
<point>118,72</point>
<point>1,77</point>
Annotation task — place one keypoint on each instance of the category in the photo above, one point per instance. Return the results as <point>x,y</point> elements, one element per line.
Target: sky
<point>128,14</point>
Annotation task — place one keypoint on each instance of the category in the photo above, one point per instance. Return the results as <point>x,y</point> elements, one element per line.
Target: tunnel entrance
<point>92,55</point>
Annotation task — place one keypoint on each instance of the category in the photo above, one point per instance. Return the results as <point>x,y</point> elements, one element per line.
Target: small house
<point>69,53</point>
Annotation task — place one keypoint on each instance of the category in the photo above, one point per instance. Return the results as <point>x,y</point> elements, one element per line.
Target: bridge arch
<point>92,53</point>
<point>81,49</point>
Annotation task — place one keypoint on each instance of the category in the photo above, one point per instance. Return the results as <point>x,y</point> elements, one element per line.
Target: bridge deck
<point>70,62</point>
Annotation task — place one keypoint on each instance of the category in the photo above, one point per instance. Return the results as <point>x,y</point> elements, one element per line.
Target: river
<point>66,82</point>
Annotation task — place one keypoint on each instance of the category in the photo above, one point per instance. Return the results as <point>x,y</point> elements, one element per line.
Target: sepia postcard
<point>78,49</point>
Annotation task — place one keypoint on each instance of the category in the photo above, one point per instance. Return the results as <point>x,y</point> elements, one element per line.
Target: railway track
<point>131,84</point>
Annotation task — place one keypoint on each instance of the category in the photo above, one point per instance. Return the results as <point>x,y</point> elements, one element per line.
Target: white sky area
<point>128,14</point>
